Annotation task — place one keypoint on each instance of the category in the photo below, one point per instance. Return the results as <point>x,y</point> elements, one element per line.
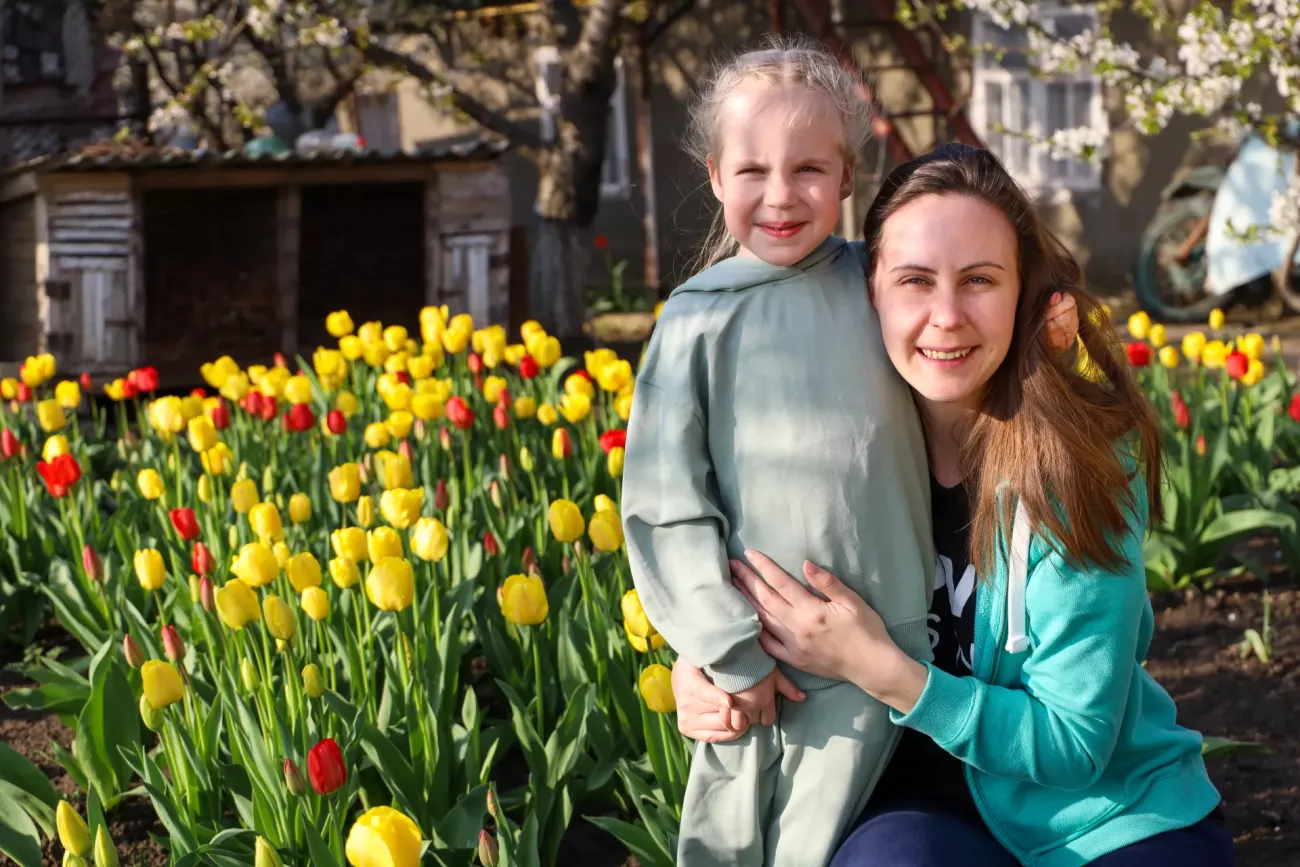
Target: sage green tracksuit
<point>768,416</point>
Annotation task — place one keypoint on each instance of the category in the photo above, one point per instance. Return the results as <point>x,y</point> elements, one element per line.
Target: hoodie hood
<point>745,272</point>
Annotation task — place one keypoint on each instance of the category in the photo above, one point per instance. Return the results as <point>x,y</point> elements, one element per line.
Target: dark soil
<point>1195,654</point>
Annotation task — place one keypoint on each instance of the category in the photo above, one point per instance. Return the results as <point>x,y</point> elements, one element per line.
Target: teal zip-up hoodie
<point>767,415</point>
<point>1071,747</point>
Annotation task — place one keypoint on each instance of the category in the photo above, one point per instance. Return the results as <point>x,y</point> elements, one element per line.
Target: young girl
<point>1035,737</point>
<point>766,415</point>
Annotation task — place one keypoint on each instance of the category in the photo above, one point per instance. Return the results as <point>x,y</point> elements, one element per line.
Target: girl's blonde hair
<point>790,61</point>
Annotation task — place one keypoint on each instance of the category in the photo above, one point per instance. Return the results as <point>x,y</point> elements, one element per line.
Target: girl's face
<point>781,172</point>
<point>946,286</point>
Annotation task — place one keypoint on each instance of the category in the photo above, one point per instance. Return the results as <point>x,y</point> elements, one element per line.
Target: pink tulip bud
<point>488,852</point>
<point>492,803</point>
<point>444,439</point>
<point>441,499</point>
<point>207,596</point>
<point>528,561</point>
<point>173,646</point>
<point>134,655</point>
<point>92,564</point>
<point>404,449</point>
<point>293,778</point>
<point>494,493</point>
<point>503,465</point>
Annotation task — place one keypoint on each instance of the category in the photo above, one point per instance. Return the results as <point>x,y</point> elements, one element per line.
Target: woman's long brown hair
<point>1050,433</point>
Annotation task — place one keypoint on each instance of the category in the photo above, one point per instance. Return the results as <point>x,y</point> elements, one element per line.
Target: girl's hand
<point>1062,321</point>
<point>704,712</point>
<point>841,637</point>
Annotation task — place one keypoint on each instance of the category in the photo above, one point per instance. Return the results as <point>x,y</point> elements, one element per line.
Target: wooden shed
<point>172,258</point>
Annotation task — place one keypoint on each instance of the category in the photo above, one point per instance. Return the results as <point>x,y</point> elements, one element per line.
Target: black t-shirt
<point>921,772</point>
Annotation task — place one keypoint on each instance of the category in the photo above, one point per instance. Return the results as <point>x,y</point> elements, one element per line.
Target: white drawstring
<point>1017,577</point>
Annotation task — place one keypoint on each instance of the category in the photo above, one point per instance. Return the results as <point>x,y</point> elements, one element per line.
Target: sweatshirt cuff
<point>745,666</point>
<point>944,709</point>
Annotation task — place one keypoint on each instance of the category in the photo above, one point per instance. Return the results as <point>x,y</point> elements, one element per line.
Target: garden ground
<point>1194,654</point>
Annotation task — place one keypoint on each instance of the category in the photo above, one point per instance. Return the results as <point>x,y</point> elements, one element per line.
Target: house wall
<point>20,326</point>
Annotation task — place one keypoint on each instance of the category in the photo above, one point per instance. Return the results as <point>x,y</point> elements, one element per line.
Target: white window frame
<point>616,167</point>
<point>1035,174</point>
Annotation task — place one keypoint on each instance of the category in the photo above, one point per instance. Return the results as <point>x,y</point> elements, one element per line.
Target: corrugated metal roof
<point>176,158</point>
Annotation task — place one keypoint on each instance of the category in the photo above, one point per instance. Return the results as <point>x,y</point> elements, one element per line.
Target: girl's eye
<point>810,169</point>
<point>750,170</point>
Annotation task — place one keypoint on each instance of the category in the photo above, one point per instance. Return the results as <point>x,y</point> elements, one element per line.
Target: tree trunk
<point>560,262</point>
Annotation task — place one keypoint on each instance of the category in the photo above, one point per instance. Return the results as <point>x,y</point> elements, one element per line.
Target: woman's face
<point>945,287</point>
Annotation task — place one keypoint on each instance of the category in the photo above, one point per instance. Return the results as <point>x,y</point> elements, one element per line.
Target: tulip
<point>615,438</point>
<point>185,522</point>
<point>547,415</point>
<point>90,562</point>
<point>1214,355</point>
<point>299,418</point>
<point>528,367</point>
<point>441,499</point>
<point>54,446</point>
<point>1168,357</point>
<point>1216,319</point>
<point>203,434</point>
<point>376,435</point>
<point>304,571</point>
<point>150,484</point>
<point>339,324</point>
<point>105,852</point>
<point>643,644</point>
<point>237,604</point>
<point>623,406</point>
<point>565,520</point>
<point>264,854</point>
<point>1139,354</point>
<point>395,470</point>
<point>401,508</point>
<point>148,715</point>
<point>345,483</point>
<point>194,588</point>
<point>249,675</point>
<point>315,603</point>
<point>217,461</point>
<point>429,540</point>
<point>459,413</point>
<point>1182,415</point>
<point>132,652</point>
<point>50,416</point>
<point>10,446</point>
<point>1293,409</point>
<point>335,422</point>
<point>162,683</point>
<point>206,596</point>
<point>350,542</point>
<point>391,584</point>
<point>265,520</point>
<point>656,684</point>
<point>279,618</point>
<point>1254,372</point>
<point>545,351</point>
<point>1252,344</point>
<point>383,837</point>
<point>293,780</point>
<point>59,474</point>
<point>201,560</point>
<point>73,831</point>
<point>1201,446</point>
<point>561,444</point>
<point>149,569</point>
<point>220,415</point>
<point>325,767</point>
<point>523,600</point>
<point>488,850</point>
<point>173,645</point>
<point>312,682</point>
<point>490,546</point>
<point>243,496</point>
<point>256,565</point>
<point>444,439</point>
<point>1237,364</point>
<point>383,542</point>
<point>1138,325</point>
<point>606,530</point>
<point>366,512</point>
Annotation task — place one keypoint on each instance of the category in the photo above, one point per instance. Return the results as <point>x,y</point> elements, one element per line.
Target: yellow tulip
<point>376,435</point>
<point>429,540</point>
<point>204,488</point>
<point>614,462</point>
<point>1252,345</point>
<point>300,508</point>
<point>282,555</point>
<point>365,512</point>
<point>545,351</point>
<point>315,602</point>
<point>566,521</point>
<point>303,571</point>
<point>634,616</point>
<point>525,407</point>
<point>575,406</point>
<point>339,324</point>
<point>623,406</point>
<point>391,584</point>
<point>243,496</point>
<point>383,837</point>
<point>401,507</point>
<point>1139,324</point>
<point>398,396</point>
<point>297,389</point>
<point>394,470</point>
<point>526,462</point>
<point>427,407</point>
<point>349,542</point>
<point>68,394</point>
<point>602,503</point>
<point>383,542</point>
<point>312,682</point>
<point>1169,356</point>
<point>1193,345</point>
<point>454,341</point>
<point>345,483</point>
<point>50,416</point>
<point>1214,354</point>
<point>74,834</point>
<point>395,337</point>
<point>492,388</point>
<point>561,443</point>
<point>55,446</point>
<point>266,523</point>
<point>399,424</point>
<point>280,619</point>
<point>351,347</point>
<point>167,415</point>
<point>576,383</point>
<point>656,683</point>
<point>237,604</point>
<point>203,435</point>
<point>149,569</point>
<point>643,644</point>
<point>9,388</point>
<point>615,376</point>
<point>1157,336</point>
<point>1254,373</point>
<point>256,564</point>
<point>150,484</point>
<point>420,367</point>
<point>606,530</point>
<point>595,359</point>
<point>162,683</point>
<point>344,572</point>
<point>1216,319</point>
<point>523,600</point>
<point>514,353</point>
<point>218,460</point>
<point>530,329</point>
<point>346,403</point>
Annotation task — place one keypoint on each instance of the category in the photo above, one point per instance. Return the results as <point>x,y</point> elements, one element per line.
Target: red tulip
<point>528,561</point>
<point>1201,446</point>
<point>404,449</point>
<point>60,474</point>
<point>584,374</point>
<point>490,546</point>
<point>207,595</point>
<point>1237,363</point>
<point>475,362</point>
<point>336,422</point>
<point>145,379</point>
<point>504,399</point>
<point>91,563</point>
<point>129,391</point>
<point>268,410</point>
<point>280,360</point>
<point>221,415</point>
<point>299,418</point>
<point>1294,408</point>
<point>87,383</point>
<point>325,767</point>
<point>173,646</point>
<point>1139,354</point>
<point>1182,415</point>
<point>500,417</point>
<point>601,242</point>
<point>440,498</point>
<point>403,377</point>
<point>613,439</point>
<point>201,560</point>
<point>252,402</point>
<point>9,444</point>
<point>24,393</point>
<point>134,655</point>
<point>198,391</point>
<point>528,368</point>
<point>565,441</point>
<point>459,413</point>
<point>185,522</point>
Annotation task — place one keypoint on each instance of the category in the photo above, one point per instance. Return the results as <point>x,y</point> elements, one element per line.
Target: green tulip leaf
<point>19,838</point>
<point>637,840</point>
<point>459,828</point>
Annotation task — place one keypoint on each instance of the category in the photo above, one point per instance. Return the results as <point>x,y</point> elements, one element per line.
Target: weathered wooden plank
<point>489,183</point>
<point>89,196</point>
<point>95,263</point>
<point>92,210</point>
<point>67,249</point>
<point>59,234</point>
<point>288,216</point>
<point>433,284</point>
<point>123,223</point>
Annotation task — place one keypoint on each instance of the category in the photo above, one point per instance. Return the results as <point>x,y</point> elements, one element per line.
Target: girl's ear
<point>847,178</point>
<point>715,177</point>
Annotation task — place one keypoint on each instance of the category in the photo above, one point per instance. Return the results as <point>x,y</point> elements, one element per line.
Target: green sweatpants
<point>784,795</point>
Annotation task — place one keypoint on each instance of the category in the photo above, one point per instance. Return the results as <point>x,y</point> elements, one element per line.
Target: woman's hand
<point>1062,321</point>
<point>704,712</point>
<point>840,637</point>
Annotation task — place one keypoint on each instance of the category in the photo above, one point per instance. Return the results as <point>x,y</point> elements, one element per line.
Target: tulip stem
<point>534,640</point>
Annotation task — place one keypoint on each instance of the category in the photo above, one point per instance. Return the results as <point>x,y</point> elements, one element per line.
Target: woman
<point>1036,736</point>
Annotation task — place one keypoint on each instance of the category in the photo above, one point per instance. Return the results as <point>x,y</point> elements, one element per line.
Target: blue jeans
<point>917,836</point>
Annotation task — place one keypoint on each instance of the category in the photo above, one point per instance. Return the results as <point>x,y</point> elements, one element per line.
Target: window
<point>1007,96</point>
<point>616,167</point>
<point>33,42</point>
<point>378,123</point>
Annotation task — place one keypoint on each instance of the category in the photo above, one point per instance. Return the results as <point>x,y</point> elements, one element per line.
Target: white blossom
<point>1284,211</point>
<point>1079,143</point>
